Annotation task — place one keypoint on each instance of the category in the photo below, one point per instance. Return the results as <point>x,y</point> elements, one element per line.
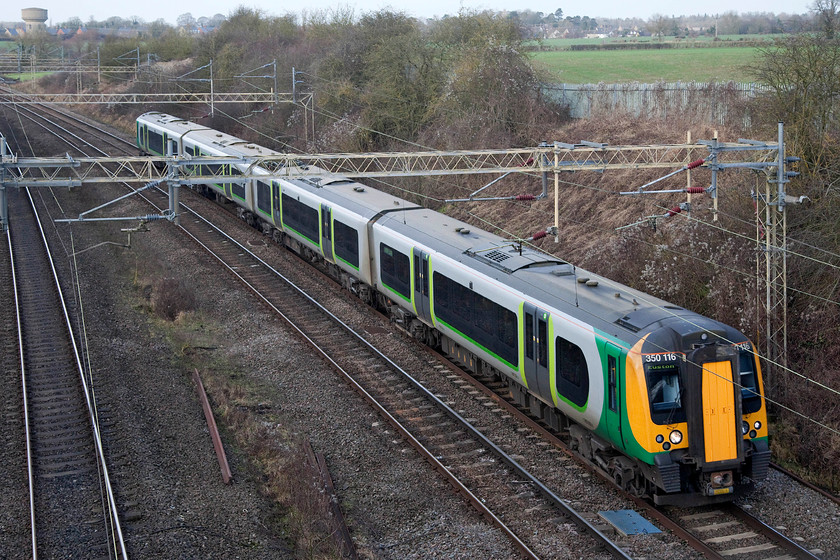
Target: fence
<point>722,103</point>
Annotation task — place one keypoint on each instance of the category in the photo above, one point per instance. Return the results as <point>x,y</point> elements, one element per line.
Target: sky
<point>151,10</point>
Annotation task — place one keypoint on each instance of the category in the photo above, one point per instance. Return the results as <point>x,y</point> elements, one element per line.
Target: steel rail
<point>26,423</point>
<point>112,505</point>
<point>821,491</point>
<point>115,520</point>
<point>772,534</point>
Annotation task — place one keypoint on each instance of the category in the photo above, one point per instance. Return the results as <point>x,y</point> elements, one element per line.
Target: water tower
<point>34,18</point>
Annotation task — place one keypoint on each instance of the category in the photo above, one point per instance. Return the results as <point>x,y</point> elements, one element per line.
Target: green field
<point>26,76</point>
<point>725,40</point>
<point>647,66</point>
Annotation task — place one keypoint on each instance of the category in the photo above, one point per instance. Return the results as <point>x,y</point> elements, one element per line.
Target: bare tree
<point>828,16</point>
<point>186,21</point>
<point>658,25</point>
<point>803,72</point>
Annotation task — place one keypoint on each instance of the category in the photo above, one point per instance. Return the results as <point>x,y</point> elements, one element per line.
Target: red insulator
<point>539,235</point>
<point>696,163</point>
<point>673,211</point>
<point>695,190</point>
<point>525,197</point>
<point>529,161</point>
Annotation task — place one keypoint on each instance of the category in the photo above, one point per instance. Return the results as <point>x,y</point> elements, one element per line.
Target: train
<point>668,403</point>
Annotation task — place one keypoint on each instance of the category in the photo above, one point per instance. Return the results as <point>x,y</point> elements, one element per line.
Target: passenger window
<point>572,372</point>
<point>264,198</point>
<point>300,218</point>
<point>156,143</point>
<point>478,318</point>
<point>542,343</point>
<point>237,189</point>
<point>529,336</point>
<point>346,243</point>
<point>395,270</point>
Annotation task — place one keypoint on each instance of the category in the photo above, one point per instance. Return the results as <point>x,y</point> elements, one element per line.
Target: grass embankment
<point>670,65</point>
<point>253,430</point>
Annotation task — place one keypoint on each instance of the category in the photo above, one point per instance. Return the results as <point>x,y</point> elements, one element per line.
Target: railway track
<point>730,532</point>
<point>726,531</point>
<point>492,481</point>
<point>472,463</point>
<point>716,546</point>
<point>72,513</point>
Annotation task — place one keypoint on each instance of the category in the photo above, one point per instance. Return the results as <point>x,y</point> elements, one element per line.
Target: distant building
<point>35,19</point>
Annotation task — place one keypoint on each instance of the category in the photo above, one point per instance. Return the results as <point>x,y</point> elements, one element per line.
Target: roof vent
<point>359,189</point>
<point>583,280</point>
<point>592,283</point>
<point>496,256</point>
<point>625,322</point>
<point>564,271</point>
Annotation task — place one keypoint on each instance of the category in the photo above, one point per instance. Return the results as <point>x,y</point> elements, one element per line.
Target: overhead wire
<point>781,405</point>
<point>608,191</point>
<point>729,232</point>
<point>750,274</point>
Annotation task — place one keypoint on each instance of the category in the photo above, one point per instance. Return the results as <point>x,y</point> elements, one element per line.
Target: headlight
<point>675,437</point>
<point>659,438</point>
<point>757,425</point>
<point>744,427</point>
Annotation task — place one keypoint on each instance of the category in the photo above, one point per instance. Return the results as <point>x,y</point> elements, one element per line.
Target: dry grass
<point>171,297</point>
<point>289,479</point>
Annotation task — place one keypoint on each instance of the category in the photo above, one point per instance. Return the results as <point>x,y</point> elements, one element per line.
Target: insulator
<point>673,211</point>
<point>696,163</point>
<point>695,190</point>
<point>539,235</point>
<point>525,197</point>
<point>529,161</point>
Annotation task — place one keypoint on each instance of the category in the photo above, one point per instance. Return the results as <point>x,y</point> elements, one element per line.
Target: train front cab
<point>697,419</point>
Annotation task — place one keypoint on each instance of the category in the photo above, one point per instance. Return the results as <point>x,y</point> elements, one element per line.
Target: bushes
<point>170,297</point>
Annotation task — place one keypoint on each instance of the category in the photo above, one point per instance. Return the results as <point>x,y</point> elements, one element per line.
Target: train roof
<point>611,307</point>
<point>351,195</point>
<point>175,124</point>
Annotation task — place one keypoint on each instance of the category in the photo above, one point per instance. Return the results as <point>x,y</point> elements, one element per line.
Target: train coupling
<point>721,482</point>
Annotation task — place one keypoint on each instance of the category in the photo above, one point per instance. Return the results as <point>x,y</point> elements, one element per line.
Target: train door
<point>535,324</point>
<point>719,413</point>
<point>275,204</point>
<point>142,140</point>
<point>326,233</point>
<point>615,384</point>
<point>713,405</point>
<point>422,303</point>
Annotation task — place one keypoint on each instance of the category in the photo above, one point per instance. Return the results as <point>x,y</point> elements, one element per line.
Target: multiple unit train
<point>666,401</point>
